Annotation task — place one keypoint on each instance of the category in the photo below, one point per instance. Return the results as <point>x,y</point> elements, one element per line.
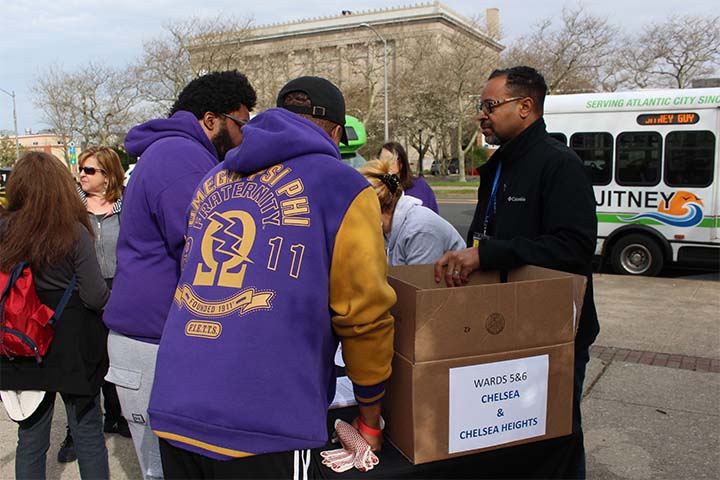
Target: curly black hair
<point>217,92</point>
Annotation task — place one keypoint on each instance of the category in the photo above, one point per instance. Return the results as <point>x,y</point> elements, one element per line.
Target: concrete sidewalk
<point>650,406</point>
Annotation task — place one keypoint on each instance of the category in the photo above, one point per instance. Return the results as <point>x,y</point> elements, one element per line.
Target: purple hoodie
<point>284,255</point>
<point>175,154</point>
<point>422,190</point>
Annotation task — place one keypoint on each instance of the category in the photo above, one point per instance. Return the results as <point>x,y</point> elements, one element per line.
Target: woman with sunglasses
<point>101,188</point>
<point>46,225</point>
<point>414,234</point>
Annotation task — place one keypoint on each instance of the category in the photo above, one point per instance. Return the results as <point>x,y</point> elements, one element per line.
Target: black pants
<point>582,358</point>
<point>182,464</point>
<point>111,402</point>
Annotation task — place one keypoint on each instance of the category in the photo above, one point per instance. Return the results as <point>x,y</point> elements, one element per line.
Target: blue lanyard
<point>491,202</point>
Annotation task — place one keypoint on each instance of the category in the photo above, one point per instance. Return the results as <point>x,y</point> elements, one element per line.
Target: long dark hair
<point>401,156</point>
<point>43,211</point>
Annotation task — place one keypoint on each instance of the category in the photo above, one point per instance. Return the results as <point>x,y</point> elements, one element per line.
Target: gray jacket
<point>418,235</point>
<point>106,231</point>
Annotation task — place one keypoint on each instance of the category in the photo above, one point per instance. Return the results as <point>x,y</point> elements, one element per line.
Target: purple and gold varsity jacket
<point>284,256</point>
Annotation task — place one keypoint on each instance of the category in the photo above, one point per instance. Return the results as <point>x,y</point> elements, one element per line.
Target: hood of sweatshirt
<point>403,207</point>
<point>181,124</point>
<point>272,137</point>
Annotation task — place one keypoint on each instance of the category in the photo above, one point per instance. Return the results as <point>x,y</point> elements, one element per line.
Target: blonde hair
<point>109,162</point>
<point>378,174</point>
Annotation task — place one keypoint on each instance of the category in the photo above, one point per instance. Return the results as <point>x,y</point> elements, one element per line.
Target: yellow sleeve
<point>360,298</point>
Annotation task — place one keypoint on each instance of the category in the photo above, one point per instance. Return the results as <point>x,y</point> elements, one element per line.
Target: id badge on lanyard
<point>492,206</point>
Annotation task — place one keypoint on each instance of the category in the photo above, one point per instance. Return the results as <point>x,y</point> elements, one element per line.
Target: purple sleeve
<point>424,192</point>
<point>171,208</point>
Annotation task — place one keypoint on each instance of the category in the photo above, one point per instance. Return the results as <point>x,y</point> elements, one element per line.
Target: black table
<point>546,459</point>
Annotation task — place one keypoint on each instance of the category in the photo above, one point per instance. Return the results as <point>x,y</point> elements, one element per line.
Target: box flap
<point>404,313</point>
<point>535,308</point>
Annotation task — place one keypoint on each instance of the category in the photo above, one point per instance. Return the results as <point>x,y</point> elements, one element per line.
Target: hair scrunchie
<point>391,180</point>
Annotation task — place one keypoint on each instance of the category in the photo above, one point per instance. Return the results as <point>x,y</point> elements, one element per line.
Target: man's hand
<point>456,266</point>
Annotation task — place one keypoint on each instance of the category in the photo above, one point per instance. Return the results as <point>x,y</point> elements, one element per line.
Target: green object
<point>357,137</point>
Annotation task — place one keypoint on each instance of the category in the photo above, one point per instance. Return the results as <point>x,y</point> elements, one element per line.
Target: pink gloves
<point>356,451</point>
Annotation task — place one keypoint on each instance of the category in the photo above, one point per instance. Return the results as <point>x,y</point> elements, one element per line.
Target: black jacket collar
<point>520,145</point>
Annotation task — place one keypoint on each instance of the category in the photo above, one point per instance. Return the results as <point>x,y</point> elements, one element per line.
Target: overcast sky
<point>37,33</point>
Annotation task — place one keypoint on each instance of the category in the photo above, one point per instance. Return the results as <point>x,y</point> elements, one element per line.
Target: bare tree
<point>188,49</point>
<point>7,151</point>
<point>434,91</point>
<point>573,57</point>
<point>673,53</point>
<point>462,69</point>
<point>417,102</point>
<point>365,67</point>
<point>95,104</point>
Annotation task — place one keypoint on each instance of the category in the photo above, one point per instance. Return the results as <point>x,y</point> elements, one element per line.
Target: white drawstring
<point>305,455</point>
<point>306,464</point>
<point>296,464</point>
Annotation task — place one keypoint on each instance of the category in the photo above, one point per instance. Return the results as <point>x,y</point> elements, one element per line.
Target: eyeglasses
<point>91,170</point>
<point>487,106</point>
<point>238,121</point>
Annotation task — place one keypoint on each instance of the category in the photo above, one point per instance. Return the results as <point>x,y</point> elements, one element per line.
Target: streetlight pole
<point>17,141</point>
<point>385,83</point>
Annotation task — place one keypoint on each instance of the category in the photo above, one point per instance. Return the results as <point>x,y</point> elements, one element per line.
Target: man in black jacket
<point>535,207</point>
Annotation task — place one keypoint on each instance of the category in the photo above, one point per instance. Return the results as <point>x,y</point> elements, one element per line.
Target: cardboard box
<point>483,366</point>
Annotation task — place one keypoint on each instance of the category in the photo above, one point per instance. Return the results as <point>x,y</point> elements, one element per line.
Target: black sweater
<point>76,361</point>
<point>544,215</point>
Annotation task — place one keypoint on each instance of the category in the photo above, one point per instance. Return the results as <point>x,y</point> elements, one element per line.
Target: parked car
<point>452,167</point>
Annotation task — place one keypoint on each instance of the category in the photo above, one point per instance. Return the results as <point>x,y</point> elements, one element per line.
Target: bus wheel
<point>637,255</point>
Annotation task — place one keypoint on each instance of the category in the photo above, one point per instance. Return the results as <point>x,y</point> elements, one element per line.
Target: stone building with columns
<point>338,46</point>
<point>347,49</point>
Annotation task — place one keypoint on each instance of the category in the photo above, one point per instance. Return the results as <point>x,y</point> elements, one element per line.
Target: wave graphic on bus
<point>684,210</point>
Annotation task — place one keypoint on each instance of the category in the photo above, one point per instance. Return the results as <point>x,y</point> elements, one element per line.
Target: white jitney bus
<point>652,156</point>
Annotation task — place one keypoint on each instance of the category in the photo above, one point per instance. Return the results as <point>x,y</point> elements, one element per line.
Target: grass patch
<point>473,182</point>
<point>460,192</point>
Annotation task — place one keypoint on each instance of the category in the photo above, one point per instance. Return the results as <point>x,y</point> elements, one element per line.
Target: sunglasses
<point>487,106</point>
<point>91,170</point>
<point>238,121</point>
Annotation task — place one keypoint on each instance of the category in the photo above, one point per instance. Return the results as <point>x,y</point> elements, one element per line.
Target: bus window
<point>638,158</point>
<point>689,158</point>
<point>596,151</point>
<point>560,137</point>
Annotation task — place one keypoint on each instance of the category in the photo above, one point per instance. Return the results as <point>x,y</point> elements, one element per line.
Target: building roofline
<point>376,18</point>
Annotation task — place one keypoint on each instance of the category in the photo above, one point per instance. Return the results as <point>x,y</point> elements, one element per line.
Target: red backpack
<point>26,324</point>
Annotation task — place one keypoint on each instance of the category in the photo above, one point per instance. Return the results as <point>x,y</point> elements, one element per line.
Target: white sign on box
<point>496,403</point>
